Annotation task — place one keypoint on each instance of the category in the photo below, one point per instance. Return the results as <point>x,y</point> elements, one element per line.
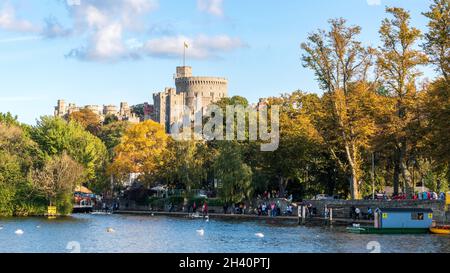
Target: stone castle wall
<point>189,90</point>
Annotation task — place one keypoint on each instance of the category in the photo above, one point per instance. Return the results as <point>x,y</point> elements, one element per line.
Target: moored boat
<point>398,221</point>
<point>443,230</point>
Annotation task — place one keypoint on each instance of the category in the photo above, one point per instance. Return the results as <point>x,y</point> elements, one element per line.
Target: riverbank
<point>247,217</point>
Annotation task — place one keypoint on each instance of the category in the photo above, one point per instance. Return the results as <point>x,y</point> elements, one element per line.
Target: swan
<point>110,230</point>
<point>19,232</point>
<point>201,232</point>
<point>259,235</point>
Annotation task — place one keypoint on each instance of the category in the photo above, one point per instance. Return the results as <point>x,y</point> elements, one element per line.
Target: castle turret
<point>184,72</point>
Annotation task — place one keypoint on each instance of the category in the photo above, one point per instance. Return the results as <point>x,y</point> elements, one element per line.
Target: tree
<point>437,40</point>
<point>185,163</point>
<point>339,60</point>
<point>18,155</point>
<point>88,119</point>
<point>234,176</point>
<point>111,134</point>
<point>57,181</point>
<point>142,150</point>
<point>397,64</point>
<point>300,142</point>
<point>56,136</point>
<point>8,119</point>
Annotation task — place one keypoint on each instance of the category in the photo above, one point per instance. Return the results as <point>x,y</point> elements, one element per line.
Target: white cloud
<point>200,47</point>
<point>213,7</point>
<point>112,31</point>
<point>10,22</point>
<point>373,2</point>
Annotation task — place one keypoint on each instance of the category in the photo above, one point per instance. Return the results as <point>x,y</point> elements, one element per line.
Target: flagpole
<point>184,54</point>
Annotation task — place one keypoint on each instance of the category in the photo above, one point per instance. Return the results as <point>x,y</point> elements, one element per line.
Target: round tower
<point>205,89</point>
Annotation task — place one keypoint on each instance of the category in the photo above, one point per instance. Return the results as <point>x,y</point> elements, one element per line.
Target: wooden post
<point>303,214</point>
<point>376,220</point>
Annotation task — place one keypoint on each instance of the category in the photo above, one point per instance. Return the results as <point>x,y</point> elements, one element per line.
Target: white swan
<point>201,232</point>
<point>259,235</point>
<point>19,232</point>
<point>110,230</point>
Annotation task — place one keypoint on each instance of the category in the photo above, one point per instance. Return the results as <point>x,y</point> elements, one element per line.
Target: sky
<point>108,51</point>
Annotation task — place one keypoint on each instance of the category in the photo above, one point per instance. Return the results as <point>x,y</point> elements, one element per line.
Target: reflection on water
<point>165,234</point>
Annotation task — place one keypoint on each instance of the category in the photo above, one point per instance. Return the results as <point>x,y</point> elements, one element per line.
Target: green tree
<point>56,136</point>
<point>234,176</point>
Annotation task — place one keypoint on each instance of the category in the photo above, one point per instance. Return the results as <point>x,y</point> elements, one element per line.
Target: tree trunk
<point>404,168</point>
<point>354,187</point>
<point>282,186</point>
<point>353,179</point>
<point>396,172</point>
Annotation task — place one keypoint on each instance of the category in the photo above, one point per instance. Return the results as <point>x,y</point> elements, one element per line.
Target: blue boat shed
<point>406,218</point>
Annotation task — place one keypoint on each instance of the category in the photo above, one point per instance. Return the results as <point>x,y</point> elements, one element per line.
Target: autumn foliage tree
<point>142,150</point>
<point>397,64</point>
<point>339,62</point>
<point>88,119</point>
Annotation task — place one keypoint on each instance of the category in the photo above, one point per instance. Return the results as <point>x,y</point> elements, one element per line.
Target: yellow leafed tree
<point>142,150</point>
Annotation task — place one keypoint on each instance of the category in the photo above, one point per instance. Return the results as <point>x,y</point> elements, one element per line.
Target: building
<point>191,91</point>
<point>124,113</point>
<point>405,218</point>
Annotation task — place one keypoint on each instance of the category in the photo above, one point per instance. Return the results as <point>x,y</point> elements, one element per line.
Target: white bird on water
<point>110,230</point>
<point>201,232</point>
<point>259,235</point>
<point>19,232</point>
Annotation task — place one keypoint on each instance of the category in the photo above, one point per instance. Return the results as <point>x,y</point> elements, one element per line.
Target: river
<point>130,234</point>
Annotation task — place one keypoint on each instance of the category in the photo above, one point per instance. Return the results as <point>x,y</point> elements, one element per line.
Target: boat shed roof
<point>406,210</point>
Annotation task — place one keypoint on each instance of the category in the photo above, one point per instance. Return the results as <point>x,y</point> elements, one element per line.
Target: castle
<point>63,110</point>
<point>194,92</point>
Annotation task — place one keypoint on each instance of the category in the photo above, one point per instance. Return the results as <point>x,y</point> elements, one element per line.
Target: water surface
<point>165,234</point>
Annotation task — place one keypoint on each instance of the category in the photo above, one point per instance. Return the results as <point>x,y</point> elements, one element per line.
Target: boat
<point>442,230</point>
<point>398,221</point>
<point>373,230</point>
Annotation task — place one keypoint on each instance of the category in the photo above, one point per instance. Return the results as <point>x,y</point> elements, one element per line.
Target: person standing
<point>205,209</point>
<point>357,213</point>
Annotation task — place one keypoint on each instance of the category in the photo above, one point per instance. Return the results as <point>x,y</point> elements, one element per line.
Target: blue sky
<point>108,51</point>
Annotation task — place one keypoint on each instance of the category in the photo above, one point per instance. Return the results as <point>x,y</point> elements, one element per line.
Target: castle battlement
<point>190,90</point>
